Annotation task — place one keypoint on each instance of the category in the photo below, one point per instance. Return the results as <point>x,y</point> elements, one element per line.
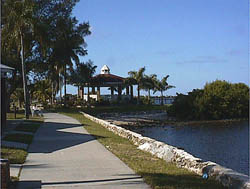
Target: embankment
<point>226,176</point>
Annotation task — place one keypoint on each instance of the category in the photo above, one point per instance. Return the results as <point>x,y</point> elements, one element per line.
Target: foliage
<point>41,91</point>
<point>218,100</point>
<point>15,156</point>
<point>162,85</point>
<point>82,73</point>
<point>138,76</point>
<point>149,84</point>
<point>52,40</point>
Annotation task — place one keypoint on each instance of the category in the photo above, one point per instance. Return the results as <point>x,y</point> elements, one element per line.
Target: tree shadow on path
<point>52,136</point>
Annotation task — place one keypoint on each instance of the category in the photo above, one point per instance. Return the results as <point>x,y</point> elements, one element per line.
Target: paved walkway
<point>64,155</point>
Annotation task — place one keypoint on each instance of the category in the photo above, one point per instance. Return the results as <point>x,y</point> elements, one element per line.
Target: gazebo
<point>106,79</point>
<point>4,70</point>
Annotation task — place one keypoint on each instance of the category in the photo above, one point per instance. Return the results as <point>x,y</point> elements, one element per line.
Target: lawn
<point>23,138</point>
<point>15,156</point>
<point>156,172</point>
<point>18,156</point>
<point>29,126</point>
<point>115,109</point>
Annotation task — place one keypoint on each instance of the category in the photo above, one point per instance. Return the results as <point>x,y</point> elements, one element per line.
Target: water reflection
<point>225,145</point>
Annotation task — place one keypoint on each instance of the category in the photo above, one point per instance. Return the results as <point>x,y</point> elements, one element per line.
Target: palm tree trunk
<point>65,89</point>
<point>88,94</point>
<point>138,98</point>
<point>60,87</point>
<point>52,93</point>
<point>148,96</point>
<point>25,91</point>
<point>162,98</point>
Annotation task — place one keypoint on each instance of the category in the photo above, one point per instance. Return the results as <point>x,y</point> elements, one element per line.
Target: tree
<point>149,84</point>
<point>82,74</point>
<point>42,37</point>
<point>161,86</point>
<point>42,91</point>
<point>18,26</point>
<point>89,74</point>
<point>69,45</point>
<point>218,100</point>
<point>139,77</point>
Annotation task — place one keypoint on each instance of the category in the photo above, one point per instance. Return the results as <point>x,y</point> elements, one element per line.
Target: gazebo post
<point>78,91</point>
<point>127,90</point>
<point>88,98</point>
<point>93,90</point>
<point>98,93</point>
<point>112,92</point>
<point>81,92</point>
<point>131,92</point>
<point>119,92</point>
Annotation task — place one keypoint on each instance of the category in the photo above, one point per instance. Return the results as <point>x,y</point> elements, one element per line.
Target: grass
<point>156,172</point>
<point>15,156</point>
<point>23,138</point>
<point>19,115</point>
<point>115,109</point>
<point>29,126</point>
<point>18,156</point>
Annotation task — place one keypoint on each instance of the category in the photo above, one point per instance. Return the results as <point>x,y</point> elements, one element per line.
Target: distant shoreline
<point>206,122</point>
<point>138,121</point>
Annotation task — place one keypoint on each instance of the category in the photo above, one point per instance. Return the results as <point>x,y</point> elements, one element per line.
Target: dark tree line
<point>41,40</point>
<point>218,100</point>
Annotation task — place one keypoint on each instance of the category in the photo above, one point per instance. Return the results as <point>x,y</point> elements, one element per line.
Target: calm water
<point>225,145</point>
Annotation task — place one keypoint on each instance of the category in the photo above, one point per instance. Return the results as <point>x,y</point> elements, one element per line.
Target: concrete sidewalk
<point>64,155</point>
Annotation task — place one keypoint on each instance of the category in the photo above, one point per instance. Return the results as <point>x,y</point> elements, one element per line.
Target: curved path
<point>64,155</point>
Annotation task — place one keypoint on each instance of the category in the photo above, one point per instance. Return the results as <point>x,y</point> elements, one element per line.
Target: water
<point>225,145</point>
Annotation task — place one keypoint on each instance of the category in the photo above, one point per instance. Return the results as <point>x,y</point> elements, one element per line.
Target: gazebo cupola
<point>105,70</point>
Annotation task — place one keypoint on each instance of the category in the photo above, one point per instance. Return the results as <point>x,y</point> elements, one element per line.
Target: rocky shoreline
<point>134,120</point>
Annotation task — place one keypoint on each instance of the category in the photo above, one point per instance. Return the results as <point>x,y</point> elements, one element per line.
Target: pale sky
<point>195,41</point>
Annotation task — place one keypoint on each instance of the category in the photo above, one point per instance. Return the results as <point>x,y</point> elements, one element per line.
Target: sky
<point>193,41</point>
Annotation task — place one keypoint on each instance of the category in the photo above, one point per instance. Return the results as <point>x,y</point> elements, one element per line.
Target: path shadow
<point>37,184</point>
<point>52,136</point>
<point>34,184</point>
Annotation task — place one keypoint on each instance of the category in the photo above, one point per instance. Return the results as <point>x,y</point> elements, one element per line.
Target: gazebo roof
<point>107,80</point>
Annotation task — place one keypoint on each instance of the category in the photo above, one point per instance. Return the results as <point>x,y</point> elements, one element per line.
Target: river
<point>225,145</point>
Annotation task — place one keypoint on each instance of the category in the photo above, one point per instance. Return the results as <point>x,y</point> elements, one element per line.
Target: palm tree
<point>69,44</point>
<point>139,77</point>
<point>42,90</point>
<point>89,74</point>
<point>162,86</point>
<point>17,26</point>
<point>17,96</point>
<point>82,74</point>
<point>149,84</point>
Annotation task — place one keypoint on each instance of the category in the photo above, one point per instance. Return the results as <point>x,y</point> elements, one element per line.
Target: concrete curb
<point>227,177</point>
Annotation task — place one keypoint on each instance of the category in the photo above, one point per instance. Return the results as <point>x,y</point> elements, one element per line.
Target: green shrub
<point>218,100</point>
